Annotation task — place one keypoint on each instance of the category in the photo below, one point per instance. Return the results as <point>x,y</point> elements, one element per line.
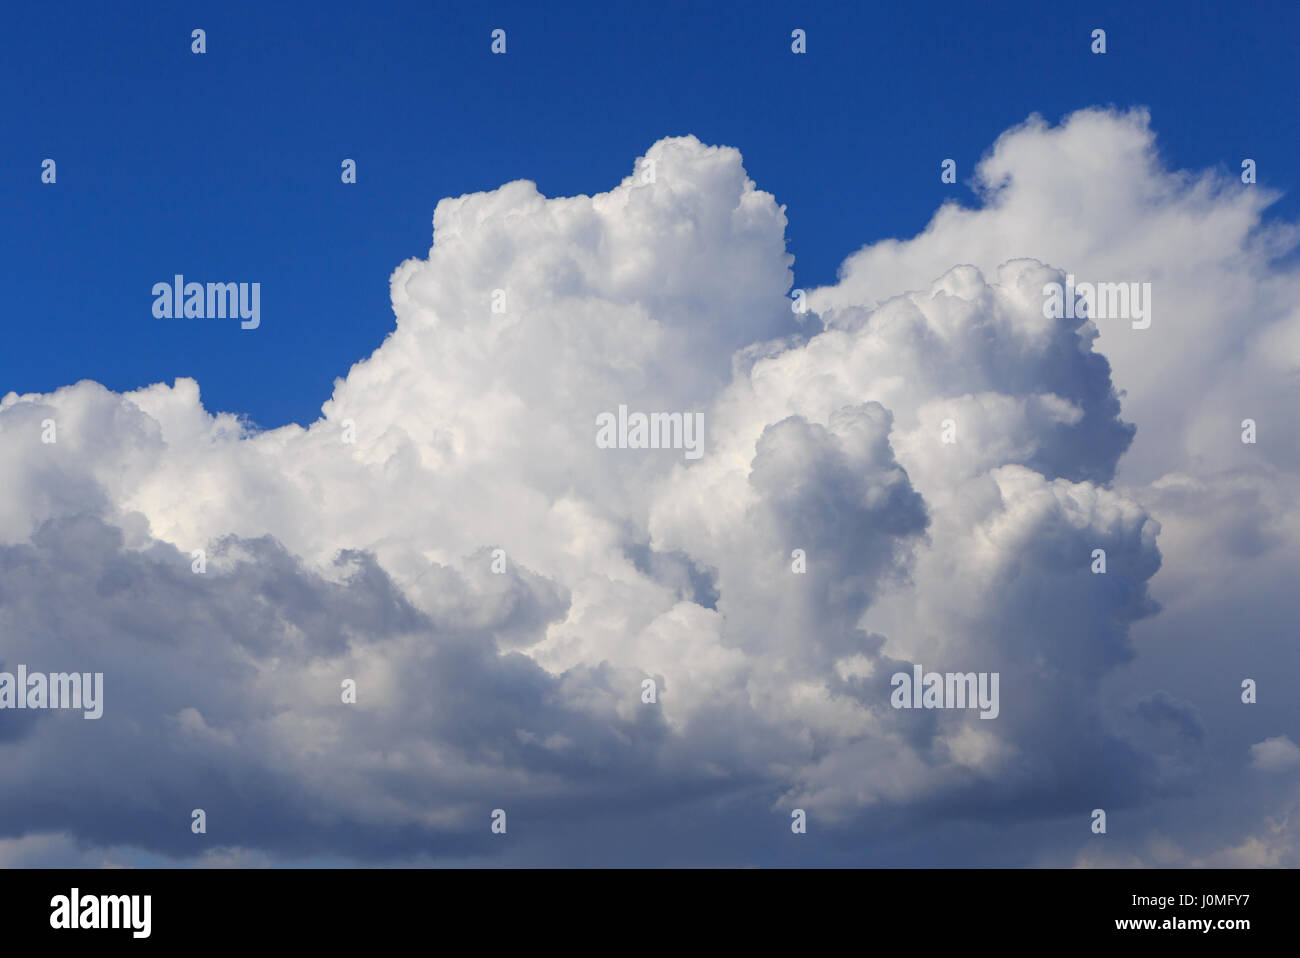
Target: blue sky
<point>226,166</point>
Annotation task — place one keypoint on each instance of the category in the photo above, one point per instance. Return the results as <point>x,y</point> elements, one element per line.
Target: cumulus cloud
<point>919,471</point>
<point>1276,754</point>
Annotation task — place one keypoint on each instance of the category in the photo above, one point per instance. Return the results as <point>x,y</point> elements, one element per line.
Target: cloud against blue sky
<point>944,455</point>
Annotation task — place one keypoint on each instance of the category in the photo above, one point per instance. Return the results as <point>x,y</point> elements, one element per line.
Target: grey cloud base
<point>521,688</point>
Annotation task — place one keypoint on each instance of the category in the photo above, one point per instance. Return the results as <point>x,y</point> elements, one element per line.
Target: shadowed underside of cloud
<point>919,471</point>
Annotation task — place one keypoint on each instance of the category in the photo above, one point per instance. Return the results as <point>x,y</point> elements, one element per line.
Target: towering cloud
<point>921,469</point>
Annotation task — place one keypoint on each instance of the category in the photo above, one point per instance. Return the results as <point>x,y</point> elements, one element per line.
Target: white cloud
<point>1276,754</point>
<point>475,430</point>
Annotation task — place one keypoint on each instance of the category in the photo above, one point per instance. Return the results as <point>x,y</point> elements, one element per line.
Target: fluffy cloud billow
<point>919,470</point>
